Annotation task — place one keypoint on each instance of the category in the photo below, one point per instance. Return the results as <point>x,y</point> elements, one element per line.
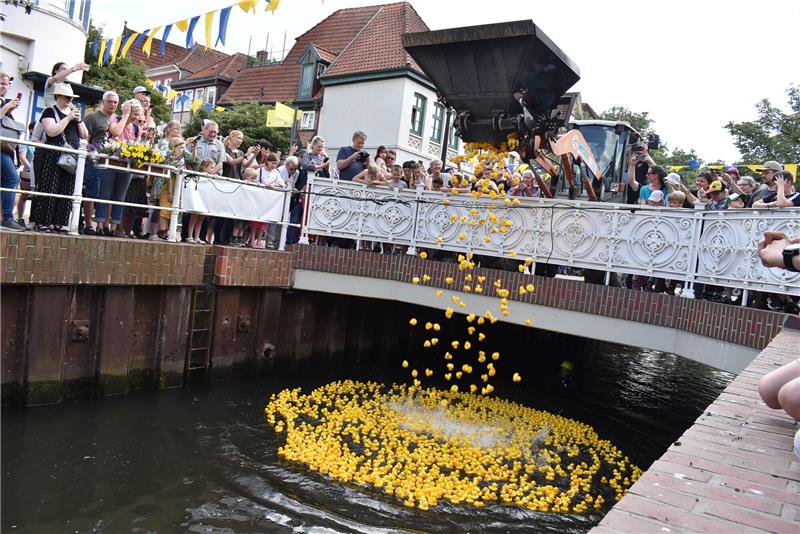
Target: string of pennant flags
<point>108,50</point>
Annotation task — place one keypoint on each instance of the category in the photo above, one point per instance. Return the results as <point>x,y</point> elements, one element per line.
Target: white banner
<point>234,200</point>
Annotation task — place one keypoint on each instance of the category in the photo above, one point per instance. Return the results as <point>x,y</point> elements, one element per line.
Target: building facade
<point>28,50</point>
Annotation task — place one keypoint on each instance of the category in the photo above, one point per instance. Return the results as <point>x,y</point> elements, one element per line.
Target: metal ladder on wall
<point>199,347</point>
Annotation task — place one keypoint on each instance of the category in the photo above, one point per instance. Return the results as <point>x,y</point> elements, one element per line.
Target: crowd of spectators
<point>61,124</point>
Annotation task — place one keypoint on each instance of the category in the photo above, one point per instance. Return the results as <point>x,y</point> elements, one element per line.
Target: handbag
<point>10,128</point>
<point>68,162</point>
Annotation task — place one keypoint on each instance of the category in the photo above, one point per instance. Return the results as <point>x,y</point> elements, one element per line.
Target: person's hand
<point>779,180</point>
<point>80,66</point>
<point>10,105</point>
<point>252,150</point>
<point>292,149</point>
<point>126,108</point>
<point>770,249</point>
<point>75,114</point>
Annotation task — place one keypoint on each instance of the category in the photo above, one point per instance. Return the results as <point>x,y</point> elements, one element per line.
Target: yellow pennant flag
<point>102,52</point>
<point>149,83</point>
<point>115,49</point>
<point>753,168</point>
<point>128,45</point>
<point>196,103</point>
<point>272,5</point>
<point>273,121</point>
<point>209,22</point>
<point>247,5</point>
<point>299,114</point>
<point>182,25</point>
<point>792,168</point>
<point>149,42</point>
<point>284,113</point>
<point>172,93</point>
<point>219,109</point>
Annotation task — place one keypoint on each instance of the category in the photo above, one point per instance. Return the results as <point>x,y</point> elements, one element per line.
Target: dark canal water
<point>204,460</point>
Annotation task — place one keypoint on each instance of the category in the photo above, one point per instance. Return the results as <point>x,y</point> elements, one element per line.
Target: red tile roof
<point>378,47</point>
<point>198,58</point>
<point>354,40</point>
<point>226,68</point>
<point>172,54</point>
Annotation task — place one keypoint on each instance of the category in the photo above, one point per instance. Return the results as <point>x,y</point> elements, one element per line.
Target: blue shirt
<point>354,168</point>
<point>645,191</point>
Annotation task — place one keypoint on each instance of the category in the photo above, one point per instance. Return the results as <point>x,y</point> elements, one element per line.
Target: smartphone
<point>19,96</point>
<point>325,160</point>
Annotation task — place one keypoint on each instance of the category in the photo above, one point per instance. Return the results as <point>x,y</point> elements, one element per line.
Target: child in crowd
<point>371,177</point>
<point>177,148</point>
<point>656,199</point>
<point>196,220</point>
<point>269,174</point>
<point>396,180</point>
<point>676,199</point>
<point>380,161</point>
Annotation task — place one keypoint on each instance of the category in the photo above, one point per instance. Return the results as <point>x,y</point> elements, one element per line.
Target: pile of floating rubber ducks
<point>427,446</point>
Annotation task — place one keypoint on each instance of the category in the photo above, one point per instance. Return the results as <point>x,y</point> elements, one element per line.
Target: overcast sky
<point>693,65</point>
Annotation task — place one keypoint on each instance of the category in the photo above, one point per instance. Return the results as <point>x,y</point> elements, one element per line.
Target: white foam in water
<point>443,424</point>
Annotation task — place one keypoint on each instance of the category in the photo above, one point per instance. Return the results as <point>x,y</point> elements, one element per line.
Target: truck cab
<point>609,141</point>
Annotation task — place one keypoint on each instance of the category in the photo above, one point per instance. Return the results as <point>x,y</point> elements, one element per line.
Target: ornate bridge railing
<point>694,246</point>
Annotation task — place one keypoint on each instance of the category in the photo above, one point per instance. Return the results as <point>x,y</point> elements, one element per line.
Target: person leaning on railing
<point>63,126</point>
<point>97,127</point>
<point>114,184</point>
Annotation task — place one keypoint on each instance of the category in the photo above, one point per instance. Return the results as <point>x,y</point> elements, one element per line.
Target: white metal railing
<point>183,178</point>
<point>694,246</point>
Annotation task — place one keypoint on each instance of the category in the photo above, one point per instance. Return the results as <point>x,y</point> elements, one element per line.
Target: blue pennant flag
<point>223,24</point>
<point>167,29</point>
<point>161,88</point>
<point>95,48</point>
<point>209,107</point>
<point>140,40</point>
<point>109,46</point>
<point>182,99</point>
<point>190,32</point>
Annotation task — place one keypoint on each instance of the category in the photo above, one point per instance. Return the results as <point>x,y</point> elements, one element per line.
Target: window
<point>198,95</point>
<point>438,117</point>
<point>418,114</point>
<point>320,69</point>
<point>176,105</point>
<point>306,81</point>
<point>211,95</point>
<point>187,105</point>
<point>452,139</point>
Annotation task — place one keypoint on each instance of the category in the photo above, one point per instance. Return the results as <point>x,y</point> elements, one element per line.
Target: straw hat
<point>63,89</point>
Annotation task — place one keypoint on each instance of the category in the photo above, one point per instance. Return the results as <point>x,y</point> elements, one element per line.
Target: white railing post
<point>412,247</point>
<point>694,252</point>
<point>77,193</point>
<point>287,200</point>
<point>306,211</point>
<point>177,191</point>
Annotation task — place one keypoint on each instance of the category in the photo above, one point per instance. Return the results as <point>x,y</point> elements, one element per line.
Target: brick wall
<point>34,258</point>
<point>743,326</point>
<point>248,267</point>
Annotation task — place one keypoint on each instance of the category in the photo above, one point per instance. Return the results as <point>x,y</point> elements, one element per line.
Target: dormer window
<point>307,73</point>
<point>311,68</point>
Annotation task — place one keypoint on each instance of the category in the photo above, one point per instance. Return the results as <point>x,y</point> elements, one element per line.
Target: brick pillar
<point>114,347</point>
<point>45,355</point>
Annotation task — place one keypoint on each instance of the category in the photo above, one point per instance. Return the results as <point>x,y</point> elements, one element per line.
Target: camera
<point>362,156</point>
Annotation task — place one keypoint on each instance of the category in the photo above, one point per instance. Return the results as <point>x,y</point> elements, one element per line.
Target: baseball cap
<point>732,169</point>
<point>140,89</point>
<point>673,177</point>
<point>733,198</point>
<point>715,187</point>
<point>771,166</point>
<point>656,196</point>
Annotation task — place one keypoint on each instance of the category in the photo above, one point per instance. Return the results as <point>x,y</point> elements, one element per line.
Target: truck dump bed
<point>479,68</point>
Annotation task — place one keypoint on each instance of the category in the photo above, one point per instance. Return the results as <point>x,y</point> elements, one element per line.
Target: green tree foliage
<point>249,118</point>
<point>121,77</point>
<point>640,121</point>
<point>774,135</point>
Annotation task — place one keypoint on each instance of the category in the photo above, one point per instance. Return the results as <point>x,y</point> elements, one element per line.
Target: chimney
<point>261,57</point>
